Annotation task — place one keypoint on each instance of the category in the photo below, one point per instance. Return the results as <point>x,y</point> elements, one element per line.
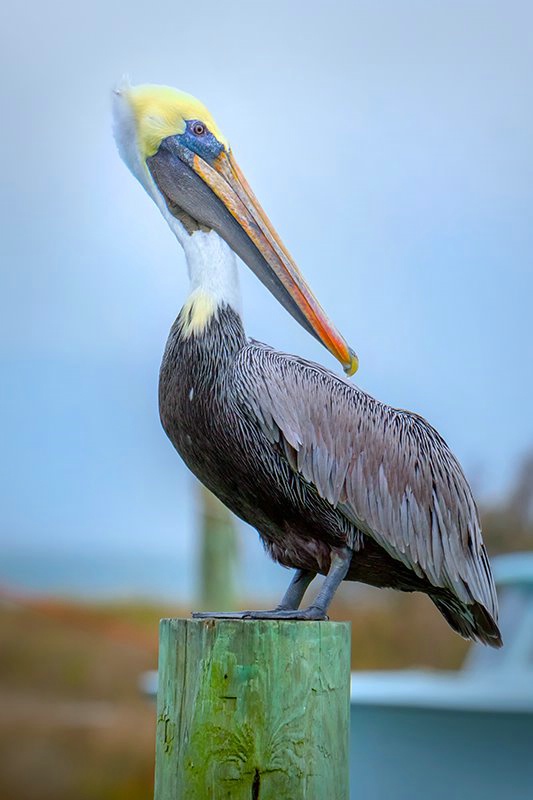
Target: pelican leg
<point>340,563</point>
<point>297,588</point>
<point>289,602</point>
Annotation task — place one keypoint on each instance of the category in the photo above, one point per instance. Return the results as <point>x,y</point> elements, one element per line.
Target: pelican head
<point>173,146</point>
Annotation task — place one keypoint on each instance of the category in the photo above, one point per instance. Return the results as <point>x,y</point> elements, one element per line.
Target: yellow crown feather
<point>162,111</point>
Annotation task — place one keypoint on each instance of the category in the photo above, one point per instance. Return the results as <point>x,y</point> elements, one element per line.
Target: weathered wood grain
<point>252,710</point>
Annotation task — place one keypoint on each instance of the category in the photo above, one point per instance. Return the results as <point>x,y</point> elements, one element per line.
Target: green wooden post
<point>218,554</point>
<point>253,710</point>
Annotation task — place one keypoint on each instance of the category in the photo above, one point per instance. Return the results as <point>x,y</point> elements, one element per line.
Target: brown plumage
<point>315,464</point>
<point>334,481</point>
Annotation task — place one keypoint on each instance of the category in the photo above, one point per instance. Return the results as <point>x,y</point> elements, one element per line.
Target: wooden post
<point>218,554</point>
<point>253,710</point>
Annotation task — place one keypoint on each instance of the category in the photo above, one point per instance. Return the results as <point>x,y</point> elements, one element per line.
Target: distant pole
<point>252,710</point>
<point>218,554</point>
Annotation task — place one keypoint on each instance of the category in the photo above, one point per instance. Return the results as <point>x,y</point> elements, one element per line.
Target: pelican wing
<point>387,470</point>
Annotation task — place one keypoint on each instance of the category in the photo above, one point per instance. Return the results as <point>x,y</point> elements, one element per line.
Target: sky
<point>390,144</point>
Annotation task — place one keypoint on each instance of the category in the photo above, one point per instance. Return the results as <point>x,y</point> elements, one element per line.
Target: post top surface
<point>253,623</point>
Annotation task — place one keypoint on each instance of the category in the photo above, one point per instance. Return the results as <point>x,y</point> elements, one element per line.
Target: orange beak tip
<point>353,365</point>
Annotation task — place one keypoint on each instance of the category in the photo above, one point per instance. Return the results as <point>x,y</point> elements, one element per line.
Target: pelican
<point>335,482</point>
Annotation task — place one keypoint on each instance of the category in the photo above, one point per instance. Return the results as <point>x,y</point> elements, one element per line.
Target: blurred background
<point>390,144</point>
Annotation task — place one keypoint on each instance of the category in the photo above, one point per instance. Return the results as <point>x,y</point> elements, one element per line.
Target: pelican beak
<point>217,195</point>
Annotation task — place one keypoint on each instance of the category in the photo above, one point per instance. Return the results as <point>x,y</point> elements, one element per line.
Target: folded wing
<point>387,470</point>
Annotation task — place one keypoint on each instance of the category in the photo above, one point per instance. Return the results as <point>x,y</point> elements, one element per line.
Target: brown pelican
<point>334,481</point>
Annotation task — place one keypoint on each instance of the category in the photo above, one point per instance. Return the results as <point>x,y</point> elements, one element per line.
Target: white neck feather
<point>212,268</point>
<point>212,265</point>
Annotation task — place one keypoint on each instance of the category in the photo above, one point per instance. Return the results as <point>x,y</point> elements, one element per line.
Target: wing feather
<point>386,470</point>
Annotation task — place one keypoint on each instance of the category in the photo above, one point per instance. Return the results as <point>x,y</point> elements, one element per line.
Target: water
<point>89,576</point>
<point>126,575</point>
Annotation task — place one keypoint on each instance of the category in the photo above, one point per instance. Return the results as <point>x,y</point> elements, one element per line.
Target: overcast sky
<point>391,145</point>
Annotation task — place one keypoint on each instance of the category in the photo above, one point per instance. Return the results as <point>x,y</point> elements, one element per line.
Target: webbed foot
<point>310,613</point>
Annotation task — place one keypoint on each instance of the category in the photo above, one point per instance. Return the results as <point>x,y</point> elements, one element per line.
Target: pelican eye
<point>198,138</point>
<point>198,128</point>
